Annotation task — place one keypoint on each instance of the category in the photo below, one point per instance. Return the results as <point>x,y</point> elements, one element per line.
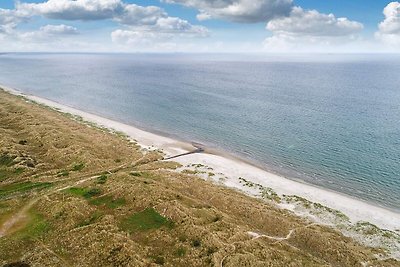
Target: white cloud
<point>138,15</point>
<point>389,28</point>
<point>73,9</point>
<point>48,33</point>
<point>308,28</point>
<point>165,30</point>
<point>149,19</point>
<point>137,38</point>
<point>312,23</point>
<point>247,11</point>
<point>10,18</point>
<point>140,25</point>
<point>172,24</point>
<point>59,29</point>
<point>126,14</point>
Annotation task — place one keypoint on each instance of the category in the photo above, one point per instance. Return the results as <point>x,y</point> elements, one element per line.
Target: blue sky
<point>200,25</point>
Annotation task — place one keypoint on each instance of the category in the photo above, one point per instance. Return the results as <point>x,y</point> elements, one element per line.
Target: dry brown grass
<point>71,227</point>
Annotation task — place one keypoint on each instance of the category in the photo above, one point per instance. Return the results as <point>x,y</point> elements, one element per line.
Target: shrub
<point>196,243</point>
<point>181,251</point>
<point>78,167</point>
<point>102,179</point>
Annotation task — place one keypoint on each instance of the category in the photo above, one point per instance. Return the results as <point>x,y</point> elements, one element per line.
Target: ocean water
<point>329,120</point>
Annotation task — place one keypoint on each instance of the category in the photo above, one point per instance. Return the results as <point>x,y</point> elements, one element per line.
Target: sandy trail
<point>7,227</point>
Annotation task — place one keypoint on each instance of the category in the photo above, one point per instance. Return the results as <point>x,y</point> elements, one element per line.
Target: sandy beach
<point>231,169</point>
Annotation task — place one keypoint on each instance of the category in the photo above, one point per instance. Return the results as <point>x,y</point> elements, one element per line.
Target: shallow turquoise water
<point>330,120</point>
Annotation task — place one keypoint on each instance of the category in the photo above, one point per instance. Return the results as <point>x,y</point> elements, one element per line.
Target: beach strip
<point>234,171</point>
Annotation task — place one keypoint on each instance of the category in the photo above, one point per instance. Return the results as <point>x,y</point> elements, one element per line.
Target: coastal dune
<point>71,180</point>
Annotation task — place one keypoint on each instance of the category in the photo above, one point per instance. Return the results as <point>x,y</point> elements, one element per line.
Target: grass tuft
<point>92,219</point>
<point>6,160</point>
<point>84,192</point>
<point>180,252</point>
<point>102,179</point>
<point>78,167</point>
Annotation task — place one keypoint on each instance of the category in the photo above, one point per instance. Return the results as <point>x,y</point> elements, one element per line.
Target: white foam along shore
<point>233,168</point>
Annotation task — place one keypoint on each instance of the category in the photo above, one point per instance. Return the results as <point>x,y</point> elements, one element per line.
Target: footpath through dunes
<point>74,194</point>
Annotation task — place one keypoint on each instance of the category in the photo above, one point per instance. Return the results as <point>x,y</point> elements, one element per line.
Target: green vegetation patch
<point>7,173</point>
<point>108,201</point>
<point>84,192</point>
<point>145,220</point>
<point>7,160</point>
<point>92,219</point>
<point>22,188</point>
<point>270,194</point>
<point>180,252</point>
<point>102,179</point>
<point>158,259</point>
<point>266,193</point>
<point>314,207</point>
<point>36,227</point>
<point>78,167</point>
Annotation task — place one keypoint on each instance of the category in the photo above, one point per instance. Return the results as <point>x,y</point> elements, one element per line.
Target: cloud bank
<point>245,11</point>
<point>136,28</point>
<point>48,33</point>
<point>147,22</point>
<point>126,14</point>
<point>305,28</point>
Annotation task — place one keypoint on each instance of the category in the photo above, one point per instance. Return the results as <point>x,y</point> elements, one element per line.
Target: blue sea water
<point>329,120</point>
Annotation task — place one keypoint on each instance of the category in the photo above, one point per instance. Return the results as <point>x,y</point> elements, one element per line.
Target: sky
<point>200,26</point>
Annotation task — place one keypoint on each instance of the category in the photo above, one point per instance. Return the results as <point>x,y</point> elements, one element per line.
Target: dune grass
<point>108,201</point>
<point>22,187</point>
<point>147,219</point>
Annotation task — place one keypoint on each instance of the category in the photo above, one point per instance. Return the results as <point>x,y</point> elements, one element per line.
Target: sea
<point>331,120</point>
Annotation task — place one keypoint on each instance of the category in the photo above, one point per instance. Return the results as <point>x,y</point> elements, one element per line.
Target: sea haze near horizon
<point>329,120</point>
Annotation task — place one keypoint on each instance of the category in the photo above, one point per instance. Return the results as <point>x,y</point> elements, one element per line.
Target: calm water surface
<point>330,120</point>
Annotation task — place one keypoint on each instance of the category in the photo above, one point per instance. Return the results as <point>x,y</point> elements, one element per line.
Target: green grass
<point>36,227</point>
<point>6,160</point>
<point>92,219</point>
<point>84,192</point>
<point>7,173</point>
<point>22,188</point>
<point>108,201</point>
<point>18,171</point>
<point>102,179</point>
<point>180,252</point>
<point>159,260</point>
<point>78,167</point>
<point>136,174</point>
<point>145,220</point>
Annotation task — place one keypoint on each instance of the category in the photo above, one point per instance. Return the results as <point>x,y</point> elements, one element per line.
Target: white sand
<point>232,168</point>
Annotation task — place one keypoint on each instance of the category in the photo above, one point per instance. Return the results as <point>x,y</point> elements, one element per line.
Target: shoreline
<point>232,168</point>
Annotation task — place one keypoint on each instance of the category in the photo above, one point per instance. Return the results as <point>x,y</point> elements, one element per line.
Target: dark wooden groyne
<point>199,149</point>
